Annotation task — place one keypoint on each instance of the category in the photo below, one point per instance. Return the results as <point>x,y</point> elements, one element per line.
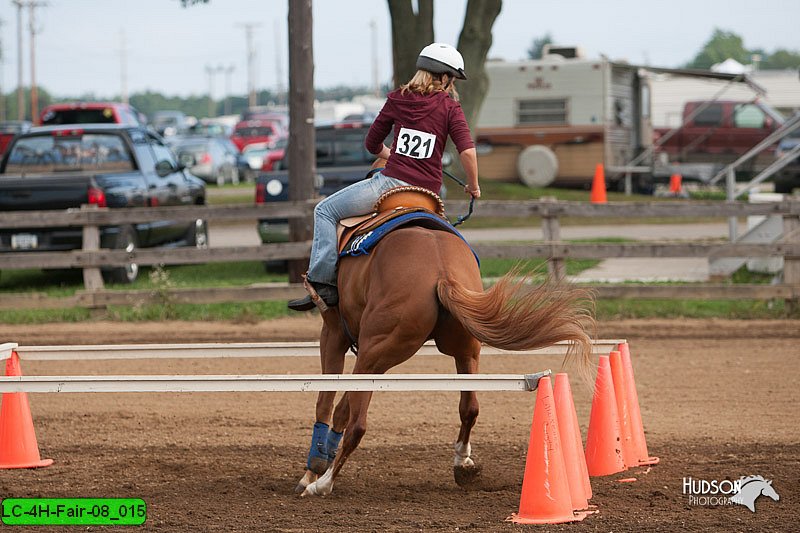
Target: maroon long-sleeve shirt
<point>421,126</point>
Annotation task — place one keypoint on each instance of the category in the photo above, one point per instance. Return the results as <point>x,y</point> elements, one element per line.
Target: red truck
<point>719,132</point>
<point>9,129</point>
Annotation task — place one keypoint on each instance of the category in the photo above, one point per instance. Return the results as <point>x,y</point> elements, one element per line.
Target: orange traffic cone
<point>18,447</point>
<point>675,185</point>
<point>598,195</point>
<point>581,456</point>
<point>603,441</point>
<point>637,429</point>
<point>545,495</point>
<point>618,377</point>
<point>577,476</point>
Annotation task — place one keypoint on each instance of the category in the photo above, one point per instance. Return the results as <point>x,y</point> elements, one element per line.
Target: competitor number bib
<point>415,143</point>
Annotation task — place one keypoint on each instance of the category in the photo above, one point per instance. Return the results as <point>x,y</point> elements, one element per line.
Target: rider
<point>423,112</point>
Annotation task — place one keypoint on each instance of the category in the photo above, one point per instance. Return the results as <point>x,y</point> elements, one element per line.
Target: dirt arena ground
<point>719,400</point>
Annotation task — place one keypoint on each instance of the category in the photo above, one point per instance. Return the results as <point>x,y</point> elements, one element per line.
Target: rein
<point>461,218</point>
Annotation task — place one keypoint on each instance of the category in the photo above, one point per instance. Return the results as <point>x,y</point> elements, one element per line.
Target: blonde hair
<point>426,83</point>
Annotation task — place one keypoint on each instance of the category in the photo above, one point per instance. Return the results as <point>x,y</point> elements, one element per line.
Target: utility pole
<point>123,67</point>
<point>279,87</point>
<point>2,64</point>
<point>302,154</point>
<point>20,88</point>
<point>376,85</point>
<point>251,60</point>
<point>228,72</point>
<point>32,5</point>
<point>211,71</point>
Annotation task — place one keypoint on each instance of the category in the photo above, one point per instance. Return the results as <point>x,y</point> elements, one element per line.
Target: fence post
<point>92,279</point>
<point>551,231</point>
<point>791,264</point>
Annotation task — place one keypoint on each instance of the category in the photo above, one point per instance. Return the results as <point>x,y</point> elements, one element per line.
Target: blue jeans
<point>357,199</point>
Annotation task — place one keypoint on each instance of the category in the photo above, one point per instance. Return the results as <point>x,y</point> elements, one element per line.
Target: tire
<point>537,166</point>
<point>125,240</point>
<point>786,182</point>
<point>276,266</point>
<point>197,234</point>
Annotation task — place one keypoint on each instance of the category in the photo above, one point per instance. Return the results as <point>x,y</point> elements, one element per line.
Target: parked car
<point>255,131</point>
<point>9,129</point>
<point>114,166</point>
<point>91,113</point>
<point>266,113</point>
<point>208,158</point>
<point>265,156</point>
<point>788,178</point>
<point>209,129</point>
<point>168,123</point>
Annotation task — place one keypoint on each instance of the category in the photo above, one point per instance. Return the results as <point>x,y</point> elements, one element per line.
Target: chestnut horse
<point>419,284</point>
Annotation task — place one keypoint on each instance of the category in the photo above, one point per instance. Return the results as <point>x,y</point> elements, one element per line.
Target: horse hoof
<point>310,490</point>
<point>467,476</point>
<point>318,466</point>
<point>300,488</point>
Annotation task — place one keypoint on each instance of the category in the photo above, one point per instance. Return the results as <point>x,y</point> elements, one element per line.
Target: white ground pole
<point>267,383</point>
<point>228,350</point>
<point>255,383</point>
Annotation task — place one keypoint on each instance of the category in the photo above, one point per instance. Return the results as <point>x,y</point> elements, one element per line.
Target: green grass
<point>615,309</point>
<point>62,283</point>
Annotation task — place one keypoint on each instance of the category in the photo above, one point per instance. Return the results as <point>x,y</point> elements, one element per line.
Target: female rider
<point>423,112</point>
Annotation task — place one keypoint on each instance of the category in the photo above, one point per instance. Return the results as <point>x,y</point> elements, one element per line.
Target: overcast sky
<point>168,47</point>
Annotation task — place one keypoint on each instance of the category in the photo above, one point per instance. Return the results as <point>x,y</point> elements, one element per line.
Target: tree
<point>780,59</point>
<point>538,44</point>
<point>722,45</point>
<point>411,32</point>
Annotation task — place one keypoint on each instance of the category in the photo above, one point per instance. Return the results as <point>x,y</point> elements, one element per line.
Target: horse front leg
<point>333,347</point>
<point>357,404</point>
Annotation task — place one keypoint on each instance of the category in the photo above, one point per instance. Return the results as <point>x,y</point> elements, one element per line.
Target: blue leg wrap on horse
<point>319,448</point>
<point>334,438</point>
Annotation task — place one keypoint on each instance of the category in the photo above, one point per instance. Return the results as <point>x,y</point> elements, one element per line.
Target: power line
<point>20,91</point>
<point>2,65</point>
<point>251,59</point>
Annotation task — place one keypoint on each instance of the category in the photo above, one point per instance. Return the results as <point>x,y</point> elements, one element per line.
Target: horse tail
<point>512,315</point>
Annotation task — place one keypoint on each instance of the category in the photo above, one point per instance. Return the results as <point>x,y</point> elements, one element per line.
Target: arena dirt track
<point>719,400</point>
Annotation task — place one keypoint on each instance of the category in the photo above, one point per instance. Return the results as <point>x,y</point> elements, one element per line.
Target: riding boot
<point>328,293</point>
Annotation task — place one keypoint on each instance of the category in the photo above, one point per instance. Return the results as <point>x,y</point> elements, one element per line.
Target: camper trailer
<point>553,120</point>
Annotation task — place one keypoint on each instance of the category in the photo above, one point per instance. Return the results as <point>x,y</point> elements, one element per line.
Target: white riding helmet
<point>441,58</point>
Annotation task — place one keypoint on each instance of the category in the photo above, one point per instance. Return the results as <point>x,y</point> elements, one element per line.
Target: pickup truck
<point>110,165</point>
<point>341,161</point>
<point>720,132</point>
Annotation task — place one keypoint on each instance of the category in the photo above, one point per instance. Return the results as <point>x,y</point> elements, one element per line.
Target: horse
<point>419,284</point>
<point>750,488</point>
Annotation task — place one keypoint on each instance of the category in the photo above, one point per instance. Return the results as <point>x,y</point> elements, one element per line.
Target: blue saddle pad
<point>362,244</point>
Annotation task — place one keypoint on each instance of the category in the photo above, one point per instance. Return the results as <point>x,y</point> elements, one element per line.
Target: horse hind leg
<point>466,352</point>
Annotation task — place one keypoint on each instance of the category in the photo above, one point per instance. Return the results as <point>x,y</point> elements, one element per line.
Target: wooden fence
<point>91,258</point>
